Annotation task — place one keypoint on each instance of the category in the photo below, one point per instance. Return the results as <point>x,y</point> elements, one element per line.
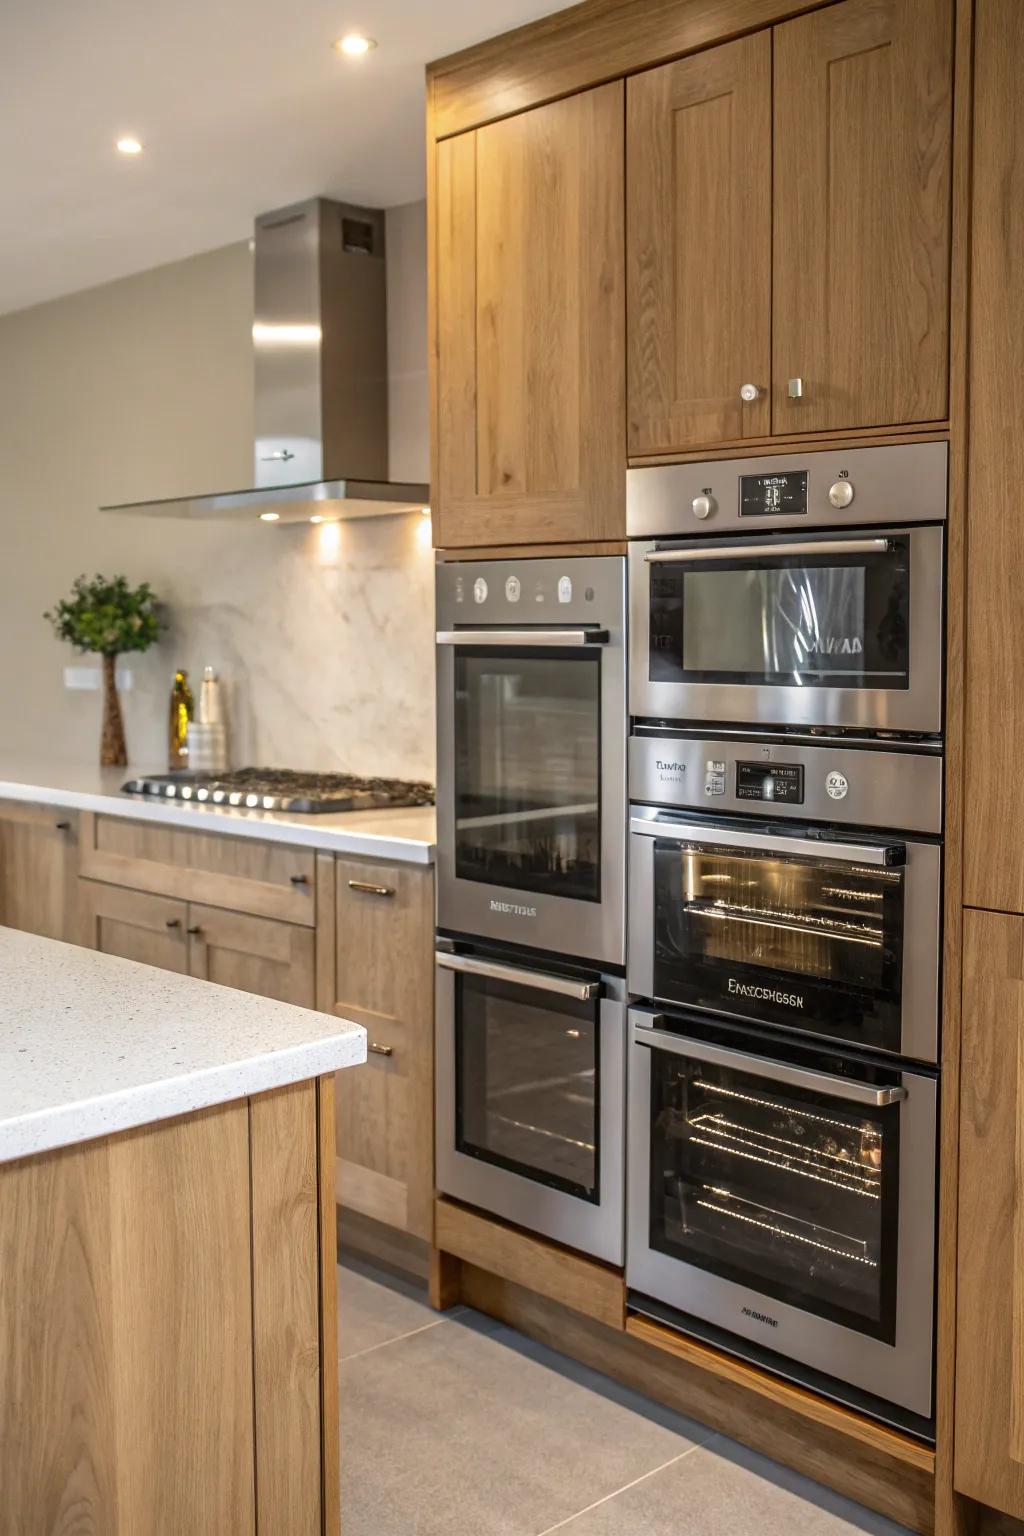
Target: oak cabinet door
<point>530,327</point>
<point>698,240</point>
<point>253,954</point>
<point>989,1454</point>
<point>38,852</point>
<point>862,129</point>
<point>134,925</point>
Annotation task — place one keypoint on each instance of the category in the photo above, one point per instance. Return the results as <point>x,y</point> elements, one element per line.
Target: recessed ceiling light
<point>270,517</point>
<point>129,146</point>
<point>316,519</point>
<point>355,44</point>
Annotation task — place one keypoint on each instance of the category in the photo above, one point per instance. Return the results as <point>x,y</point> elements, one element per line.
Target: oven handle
<point>762,1066</point>
<point>886,855</point>
<point>543,981</point>
<point>756,551</point>
<point>518,637</point>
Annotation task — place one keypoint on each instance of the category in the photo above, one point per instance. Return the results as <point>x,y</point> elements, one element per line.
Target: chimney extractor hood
<point>320,347</point>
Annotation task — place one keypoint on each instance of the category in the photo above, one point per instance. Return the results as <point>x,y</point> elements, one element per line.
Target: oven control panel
<point>511,594</point>
<point>830,783</point>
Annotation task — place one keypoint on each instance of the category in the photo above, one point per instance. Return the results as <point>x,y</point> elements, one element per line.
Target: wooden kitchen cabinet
<point>375,966</point>
<point>38,865</point>
<point>253,954</point>
<point>134,925</point>
<point>699,218</point>
<point>530,326</point>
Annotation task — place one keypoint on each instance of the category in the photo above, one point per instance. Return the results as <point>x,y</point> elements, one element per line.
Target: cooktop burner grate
<point>281,789</point>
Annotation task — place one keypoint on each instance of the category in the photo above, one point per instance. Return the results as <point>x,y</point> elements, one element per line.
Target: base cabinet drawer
<point>253,954</point>
<point>136,926</point>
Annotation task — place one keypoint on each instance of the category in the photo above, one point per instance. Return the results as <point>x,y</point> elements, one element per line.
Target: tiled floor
<point>457,1426</point>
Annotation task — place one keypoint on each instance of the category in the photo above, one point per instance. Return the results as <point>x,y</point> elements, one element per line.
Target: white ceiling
<point>242,106</point>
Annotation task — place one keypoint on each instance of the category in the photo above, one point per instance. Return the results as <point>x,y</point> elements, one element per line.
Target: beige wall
<point>141,389</point>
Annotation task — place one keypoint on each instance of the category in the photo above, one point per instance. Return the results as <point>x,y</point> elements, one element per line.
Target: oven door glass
<point>804,942</point>
<point>528,771</point>
<point>527,1083</point>
<point>786,1190</point>
<point>760,619</point>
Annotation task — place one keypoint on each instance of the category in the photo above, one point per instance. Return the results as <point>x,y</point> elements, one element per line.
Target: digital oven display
<point>770,781</point>
<point>783,495</point>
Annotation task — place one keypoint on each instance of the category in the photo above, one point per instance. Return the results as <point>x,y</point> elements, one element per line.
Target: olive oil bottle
<point>182,710</point>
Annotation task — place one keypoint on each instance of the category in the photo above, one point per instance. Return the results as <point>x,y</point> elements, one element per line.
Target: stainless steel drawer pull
<point>760,551</point>
<point>380,1050</point>
<point>542,981</point>
<point>827,1083</point>
<point>884,855</point>
<point>370,890</point>
<point>527,637</point>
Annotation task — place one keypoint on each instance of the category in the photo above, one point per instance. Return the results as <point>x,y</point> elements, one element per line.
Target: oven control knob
<point>704,506</point>
<point>841,494</point>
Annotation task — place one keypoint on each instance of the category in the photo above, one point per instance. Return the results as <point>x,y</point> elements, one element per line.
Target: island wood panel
<point>136,926</point>
<point>253,954</point>
<point>126,1391</point>
<point>699,248</point>
<point>994,727</point>
<point>375,967</point>
<point>286,1311</point>
<point>530,327</point>
<point>327,1215</point>
<point>38,859</point>
<point>989,1452</point>
<point>220,870</point>
<point>862,156</point>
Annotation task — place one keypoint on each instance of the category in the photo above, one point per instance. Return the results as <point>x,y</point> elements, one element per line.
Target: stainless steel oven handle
<point>773,1071</point>
<point>544,981</point>
<point>527,637</point>
<point>755,551</point>
<point>885,855</point>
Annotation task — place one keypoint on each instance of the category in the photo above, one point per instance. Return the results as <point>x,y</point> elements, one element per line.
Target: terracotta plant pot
<point>113,753</point>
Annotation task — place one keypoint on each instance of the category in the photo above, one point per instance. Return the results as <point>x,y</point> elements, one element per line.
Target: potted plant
<point>108,618</point>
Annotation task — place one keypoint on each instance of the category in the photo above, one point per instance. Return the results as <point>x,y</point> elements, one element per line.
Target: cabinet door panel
<point>863,99</point>
<point>253,954</point>
<point>530,327</point>
<point>38,856</point>
<point>698,188</point>
<point>134,925</point>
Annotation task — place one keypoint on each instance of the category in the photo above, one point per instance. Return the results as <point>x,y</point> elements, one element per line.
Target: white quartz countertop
<point>91,1044</point>
<point>406,836</point>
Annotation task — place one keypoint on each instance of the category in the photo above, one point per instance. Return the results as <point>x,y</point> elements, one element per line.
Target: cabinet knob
<point>173,922</point>
<point>63,826</point>
<point>299,879</point>
<point>195,932</point>
<point>749,392</point>
<point>796,389</point>
<point>380,1050</point>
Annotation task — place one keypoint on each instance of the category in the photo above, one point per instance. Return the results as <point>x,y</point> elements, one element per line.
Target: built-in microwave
<point>531,806</point>
<point>804,591</point>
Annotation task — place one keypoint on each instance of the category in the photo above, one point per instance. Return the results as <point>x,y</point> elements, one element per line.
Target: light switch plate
<point>89,679</point>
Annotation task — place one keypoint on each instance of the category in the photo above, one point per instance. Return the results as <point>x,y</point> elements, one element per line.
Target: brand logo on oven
<point>512,909</point>
<point>667,767</point>
<point>833,645</point>
<point>760,1317</point>
<point>765,994</point>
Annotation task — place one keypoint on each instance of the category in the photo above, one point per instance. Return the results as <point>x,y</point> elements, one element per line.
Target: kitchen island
<point>167,1251</point>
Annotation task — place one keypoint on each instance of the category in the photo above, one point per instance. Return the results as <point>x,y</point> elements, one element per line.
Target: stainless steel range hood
<point>320,350</point>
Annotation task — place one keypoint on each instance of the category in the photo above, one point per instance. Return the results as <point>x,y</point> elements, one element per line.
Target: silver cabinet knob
<point>749,392</point>
<point>704,506</point>
<point>841,494</point>
<point>796,389</point>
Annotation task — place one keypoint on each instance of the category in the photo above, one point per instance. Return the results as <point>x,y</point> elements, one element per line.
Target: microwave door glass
<point>528,772</point>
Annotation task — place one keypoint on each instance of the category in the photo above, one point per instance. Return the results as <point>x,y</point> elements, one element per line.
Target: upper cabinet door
<point>530,327</point>
<point>862,215</point>
<point>698,189</point>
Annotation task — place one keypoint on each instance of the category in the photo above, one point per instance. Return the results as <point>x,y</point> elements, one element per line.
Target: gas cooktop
<point>279,789</point>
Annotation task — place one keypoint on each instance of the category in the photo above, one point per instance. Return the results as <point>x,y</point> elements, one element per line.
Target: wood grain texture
<point>580,47</point>
<point>989,1460</point>
<point>994,728</point>
<point>444,1280</point>
<point>148,929</point>
<point>38,855</point>
<point>808,442</point>
<point>580,1284</point>
<point>699,253</point>
<point>286,1321</point>
<point>330,1407</point>
<point>888,1475</point>
<point>530,318</point>
<point>532,551</point>
<point>239,873</point>
<point>253,954</point>
<point>861,228</point>
<point>385,1246</point>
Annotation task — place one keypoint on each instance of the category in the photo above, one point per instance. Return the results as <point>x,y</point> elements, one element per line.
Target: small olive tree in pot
<point>108,618</point>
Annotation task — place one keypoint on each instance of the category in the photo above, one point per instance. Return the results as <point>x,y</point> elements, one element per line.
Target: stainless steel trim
<point>756,551</point>
<point>772,1071</point>
<point>544,981</point>
<point>529,637</point>
<point>886,855</point>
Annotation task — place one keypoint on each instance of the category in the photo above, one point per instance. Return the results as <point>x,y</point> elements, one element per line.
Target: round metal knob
<point>749,392</point>
<point>841,494</point>
<point>704,506</point>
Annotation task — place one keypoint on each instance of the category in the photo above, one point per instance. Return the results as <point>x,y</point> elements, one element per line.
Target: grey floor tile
<point>468,1429</point>
<point>375,1308</point>
<point>722,1489</point>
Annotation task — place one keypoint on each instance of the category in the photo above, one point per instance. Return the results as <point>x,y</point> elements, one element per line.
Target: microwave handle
<point>518,637</point>
<point>543,981</point>
<point>757,551</point>
<point>772,1071</point>
<point>885,855</point>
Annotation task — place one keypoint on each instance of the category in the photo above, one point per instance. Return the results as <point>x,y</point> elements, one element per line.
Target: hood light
<point>129,146</point>
<point>270,517</point>
<point>354,45</point>
<point>424,511</point>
